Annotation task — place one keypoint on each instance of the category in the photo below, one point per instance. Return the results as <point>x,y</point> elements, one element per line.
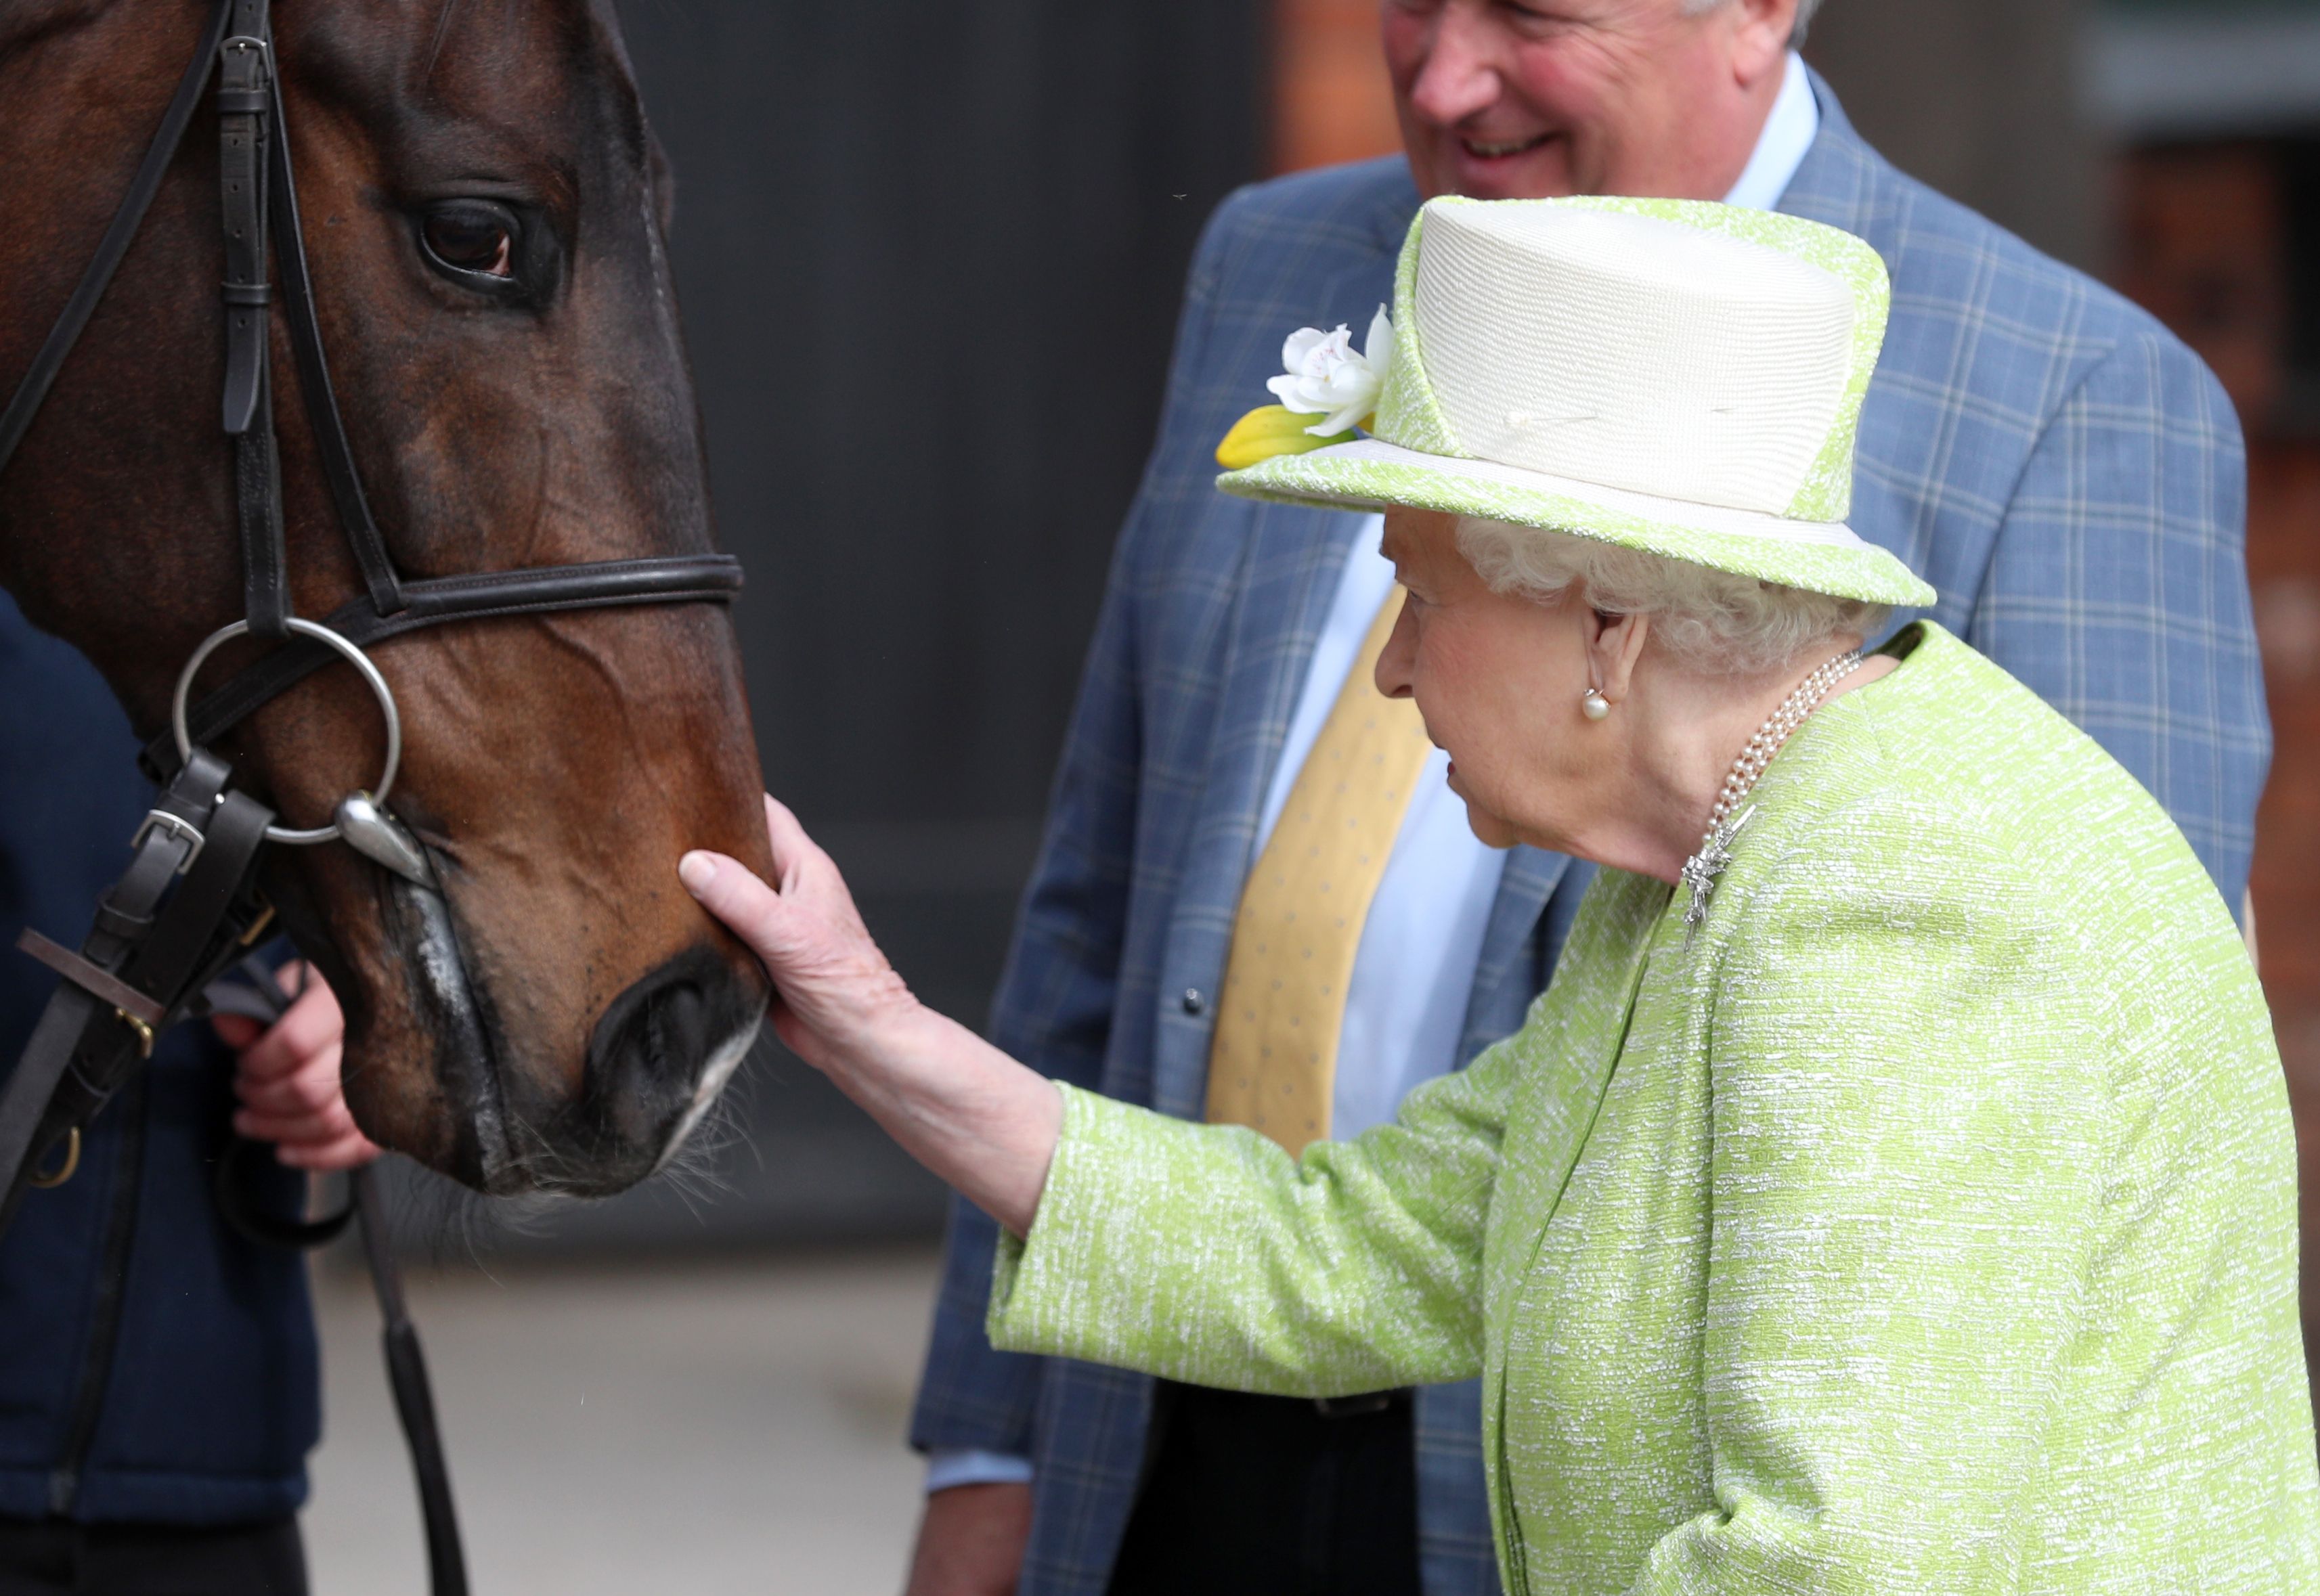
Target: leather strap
<point>245,101</point>
<point>257,496</point>
<point>245,104</point>
<point>414,1401</point>
<point>262,999</point>
<point>197,933</point>
<point>75,1024</point>
<point>331,447</point>
<point>100,983</point>
<point>700,578</point>
<point>33,1085</point>
<point>593,584</point>
<point>167,964</point>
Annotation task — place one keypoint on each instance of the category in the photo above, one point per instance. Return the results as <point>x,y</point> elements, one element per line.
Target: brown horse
<point>485,212</point>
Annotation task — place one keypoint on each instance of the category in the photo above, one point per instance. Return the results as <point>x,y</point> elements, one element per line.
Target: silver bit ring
<point>347,651</point>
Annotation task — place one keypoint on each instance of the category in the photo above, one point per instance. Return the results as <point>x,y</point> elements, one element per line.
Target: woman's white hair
<point>1709,620</point>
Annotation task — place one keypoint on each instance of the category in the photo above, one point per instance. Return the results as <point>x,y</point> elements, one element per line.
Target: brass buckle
<point>144,1032</point>
<point>48,1183</point>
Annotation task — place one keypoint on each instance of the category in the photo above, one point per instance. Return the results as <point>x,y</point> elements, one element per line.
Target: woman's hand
<point>288,1080</point>
<point>838,993</point>
<point>958,1105</point>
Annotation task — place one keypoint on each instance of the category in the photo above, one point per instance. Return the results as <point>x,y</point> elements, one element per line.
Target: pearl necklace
<point>1700,870</point>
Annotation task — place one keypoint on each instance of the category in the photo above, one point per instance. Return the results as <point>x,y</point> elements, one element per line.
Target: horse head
<point>484,213</point>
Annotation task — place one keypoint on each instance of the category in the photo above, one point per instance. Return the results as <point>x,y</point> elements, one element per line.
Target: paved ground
<point>712,1427</point>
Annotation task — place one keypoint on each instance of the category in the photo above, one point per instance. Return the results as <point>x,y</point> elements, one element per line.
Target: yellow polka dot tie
<point>1274,1061</point>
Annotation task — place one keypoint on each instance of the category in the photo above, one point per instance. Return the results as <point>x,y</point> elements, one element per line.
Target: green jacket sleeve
<point>1205,1254</point>
<point>1908,1137</point>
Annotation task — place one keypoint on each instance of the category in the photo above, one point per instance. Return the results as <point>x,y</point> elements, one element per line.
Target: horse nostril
<point>647,1058</point>
<point>653,1036</point>
<point>675,1029</point>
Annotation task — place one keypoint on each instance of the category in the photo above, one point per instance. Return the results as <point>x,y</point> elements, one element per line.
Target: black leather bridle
<point>197,821</point>
<point>187,908</point>
<point>261,201</point>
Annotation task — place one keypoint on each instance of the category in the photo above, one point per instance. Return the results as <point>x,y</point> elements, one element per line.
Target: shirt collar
<point>1789,132</point>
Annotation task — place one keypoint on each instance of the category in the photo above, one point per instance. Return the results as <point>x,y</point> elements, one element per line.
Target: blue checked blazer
<point>2064,471</point>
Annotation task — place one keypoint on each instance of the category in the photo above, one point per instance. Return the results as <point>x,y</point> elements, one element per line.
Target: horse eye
<point>470,239</point>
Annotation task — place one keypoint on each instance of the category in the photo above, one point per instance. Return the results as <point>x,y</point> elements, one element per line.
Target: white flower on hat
<point>1326,378</point>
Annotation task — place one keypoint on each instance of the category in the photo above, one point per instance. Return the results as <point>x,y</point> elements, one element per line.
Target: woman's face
<point>1498,678</point>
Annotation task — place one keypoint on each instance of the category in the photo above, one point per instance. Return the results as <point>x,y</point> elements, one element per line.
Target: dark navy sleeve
<point>154,1366</point>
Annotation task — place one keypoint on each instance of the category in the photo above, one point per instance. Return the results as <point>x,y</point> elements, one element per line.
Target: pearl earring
<point>1594,705</point>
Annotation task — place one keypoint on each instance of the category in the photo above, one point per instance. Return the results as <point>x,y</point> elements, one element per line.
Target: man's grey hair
<point>1805,9</point>
<point>1708,620</point>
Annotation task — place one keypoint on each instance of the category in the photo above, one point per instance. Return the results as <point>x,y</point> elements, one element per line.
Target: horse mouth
<point>467,1061</point>
<point>658,1056</point>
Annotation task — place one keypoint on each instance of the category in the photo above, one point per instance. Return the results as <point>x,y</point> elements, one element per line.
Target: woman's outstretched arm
<point>965,1109</point>
<point>1202,1252</point>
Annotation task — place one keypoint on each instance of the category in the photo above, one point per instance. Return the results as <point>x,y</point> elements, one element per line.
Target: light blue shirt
<point>1414,971</point>
<point>1789,132</point>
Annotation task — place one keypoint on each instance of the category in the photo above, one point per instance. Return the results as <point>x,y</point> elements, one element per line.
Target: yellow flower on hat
<point>1268,430</point>
<point>1326,377</point>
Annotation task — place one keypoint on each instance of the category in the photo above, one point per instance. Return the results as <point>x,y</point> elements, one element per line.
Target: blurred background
<point>930,257</point>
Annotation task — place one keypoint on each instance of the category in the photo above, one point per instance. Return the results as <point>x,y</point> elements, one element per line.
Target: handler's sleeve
<point>1909,1140</point>
<point>1205,1252</point>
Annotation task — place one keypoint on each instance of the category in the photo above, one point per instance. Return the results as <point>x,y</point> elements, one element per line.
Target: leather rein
<point>187,908</point>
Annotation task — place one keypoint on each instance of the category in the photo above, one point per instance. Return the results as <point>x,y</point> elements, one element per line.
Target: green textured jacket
<point>1922,1222</point>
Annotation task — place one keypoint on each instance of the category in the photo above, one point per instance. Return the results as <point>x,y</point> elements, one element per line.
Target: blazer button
<point>1195,1002</point>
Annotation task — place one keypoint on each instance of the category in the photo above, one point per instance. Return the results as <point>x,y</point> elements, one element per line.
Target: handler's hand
<point>838,993</point>
<point>288,1080</point>
<point>971,1541</point>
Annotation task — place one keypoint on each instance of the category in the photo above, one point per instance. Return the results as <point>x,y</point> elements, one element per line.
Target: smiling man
<point>2062,471</point>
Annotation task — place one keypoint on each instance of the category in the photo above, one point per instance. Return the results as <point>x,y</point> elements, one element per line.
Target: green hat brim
<point>1370,474</point>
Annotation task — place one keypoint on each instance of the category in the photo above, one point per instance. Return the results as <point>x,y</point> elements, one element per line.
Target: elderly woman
<point>1894,1191</point>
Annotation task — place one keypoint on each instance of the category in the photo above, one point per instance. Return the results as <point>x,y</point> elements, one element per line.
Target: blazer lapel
<point>1836,183</point>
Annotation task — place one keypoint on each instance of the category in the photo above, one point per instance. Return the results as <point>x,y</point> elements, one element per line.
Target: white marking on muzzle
<point>713,1075</point>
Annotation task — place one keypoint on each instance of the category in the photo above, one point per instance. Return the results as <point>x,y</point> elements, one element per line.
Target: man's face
<point>1534,99</point>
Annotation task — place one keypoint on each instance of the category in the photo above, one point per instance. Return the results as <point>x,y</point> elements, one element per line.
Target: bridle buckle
<point>177,826</point>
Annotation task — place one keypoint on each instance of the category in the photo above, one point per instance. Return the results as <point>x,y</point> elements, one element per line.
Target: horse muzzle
<point>662,1052</point>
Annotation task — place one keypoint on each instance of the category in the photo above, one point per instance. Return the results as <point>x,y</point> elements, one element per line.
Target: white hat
<point>1669,374</point>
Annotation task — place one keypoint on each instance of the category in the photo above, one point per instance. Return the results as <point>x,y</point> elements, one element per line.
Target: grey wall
<point>930,254</point>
